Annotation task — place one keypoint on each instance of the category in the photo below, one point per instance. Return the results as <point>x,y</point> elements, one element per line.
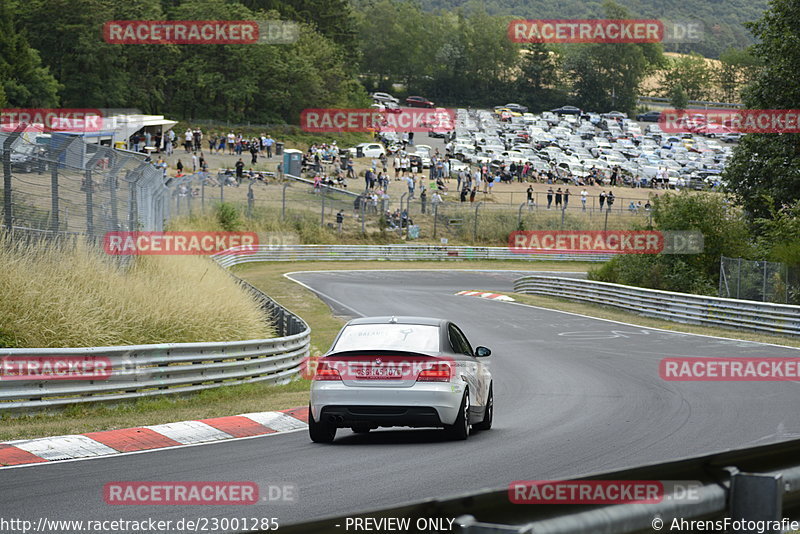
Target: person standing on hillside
<point>602,199</point>
<point>268,145</point>
<point>584,195</point>
<point>549,197</point>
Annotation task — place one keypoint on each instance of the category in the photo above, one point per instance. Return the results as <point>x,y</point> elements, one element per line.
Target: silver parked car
<point>401,372</point>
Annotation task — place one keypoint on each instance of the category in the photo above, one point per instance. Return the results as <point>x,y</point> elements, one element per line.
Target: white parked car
<point>384,97</point>
<point>370,150</point>
<point>401,371</point>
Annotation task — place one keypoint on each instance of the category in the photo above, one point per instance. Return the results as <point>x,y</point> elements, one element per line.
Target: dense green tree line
<point>723,21</point>
<point>53,53</point>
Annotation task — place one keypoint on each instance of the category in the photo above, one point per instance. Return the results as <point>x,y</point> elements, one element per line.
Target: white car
<point>401,371</point>
<point>369,150</point>
<point>384,97</point>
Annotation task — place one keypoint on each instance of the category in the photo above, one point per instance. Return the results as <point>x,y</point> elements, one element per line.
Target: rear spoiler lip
<point>385,352</point>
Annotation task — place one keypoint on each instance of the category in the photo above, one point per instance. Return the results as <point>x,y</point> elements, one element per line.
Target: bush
<point>724,233</point>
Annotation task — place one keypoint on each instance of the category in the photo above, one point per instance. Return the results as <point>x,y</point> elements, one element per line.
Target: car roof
<point>429,321</point>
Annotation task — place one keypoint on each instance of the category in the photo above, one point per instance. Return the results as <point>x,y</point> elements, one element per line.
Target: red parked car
<point>418,102</point>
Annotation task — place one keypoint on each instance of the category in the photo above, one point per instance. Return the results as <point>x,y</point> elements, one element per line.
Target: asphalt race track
<point>573,395</point>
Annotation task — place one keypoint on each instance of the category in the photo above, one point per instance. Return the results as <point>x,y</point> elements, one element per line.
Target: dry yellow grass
<point>53,297</point>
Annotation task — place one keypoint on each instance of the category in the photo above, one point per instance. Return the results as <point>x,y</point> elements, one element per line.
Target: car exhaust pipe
<point>331,418</point>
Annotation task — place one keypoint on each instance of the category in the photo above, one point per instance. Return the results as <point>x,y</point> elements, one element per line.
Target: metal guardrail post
<point>475,226</point>
<point>322,211</point>
<point>54,190</point>
<point>250,199</point>
<point>7,187</point>
<point>435,218</point>
<point>283,201</point>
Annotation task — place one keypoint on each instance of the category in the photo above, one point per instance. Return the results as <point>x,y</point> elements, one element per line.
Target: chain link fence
<point>59,185</point>
<point>758,280</point>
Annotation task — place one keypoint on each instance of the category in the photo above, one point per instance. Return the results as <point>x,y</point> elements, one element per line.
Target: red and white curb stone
<point>486,295</point>
<point>109,442</point>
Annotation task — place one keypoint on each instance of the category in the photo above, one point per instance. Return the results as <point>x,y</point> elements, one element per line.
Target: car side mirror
<point>482,352</point>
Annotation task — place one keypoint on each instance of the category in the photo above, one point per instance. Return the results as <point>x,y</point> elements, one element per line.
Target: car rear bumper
<point>422,405</point>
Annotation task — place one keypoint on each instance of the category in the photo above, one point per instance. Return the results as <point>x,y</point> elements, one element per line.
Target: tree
<point>678,98</point>
<point>736,68</point>
<point>538,83</point>
<point>24,81</point>
<point>764,172</point>
<point>607,76</point>
<point>691,72</point>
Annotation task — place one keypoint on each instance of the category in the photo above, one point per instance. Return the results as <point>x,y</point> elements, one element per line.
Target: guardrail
<point>280,252</point>
<point>754,484</point>
<point>680,307</point>
<point>166,368</point>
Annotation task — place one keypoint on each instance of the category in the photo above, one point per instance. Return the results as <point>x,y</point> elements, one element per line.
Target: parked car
<point>418,102</point>
<point>384,97</point>
<point>368,150</point>
<point>519,108</point>
<point>567,110</point>
<point>650,116</point>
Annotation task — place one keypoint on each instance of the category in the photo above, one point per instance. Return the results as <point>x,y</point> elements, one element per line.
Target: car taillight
<point>325,371</point>
<point>440,372</point>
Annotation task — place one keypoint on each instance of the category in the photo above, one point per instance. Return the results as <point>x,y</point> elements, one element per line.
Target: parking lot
<point>573,148</point>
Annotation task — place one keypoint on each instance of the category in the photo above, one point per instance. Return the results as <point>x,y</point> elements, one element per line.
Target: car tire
<point>488,414</point>
<point>321,432</point>
<point>459,431</point>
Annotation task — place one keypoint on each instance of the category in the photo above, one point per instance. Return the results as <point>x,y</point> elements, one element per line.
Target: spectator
<point>436,199</point>
<point>179,167</point>
<point>566,198</point>
<point>194,161</point>
<point>472,194</point>
<point>239,170</point>
<point>602,200</point>
<point>584,194</point>
<point>339,221</point>
<point>464,193</point>
<point>558,198</point>
<point>549,197</point>
<point>423,199</point>
<point>610,200</point>
<point>529,193</point>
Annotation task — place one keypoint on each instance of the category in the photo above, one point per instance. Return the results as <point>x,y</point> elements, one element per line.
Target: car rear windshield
<point>410,337</point>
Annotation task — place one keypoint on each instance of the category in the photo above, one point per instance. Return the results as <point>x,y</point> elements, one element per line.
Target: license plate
<point>378,373</point>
